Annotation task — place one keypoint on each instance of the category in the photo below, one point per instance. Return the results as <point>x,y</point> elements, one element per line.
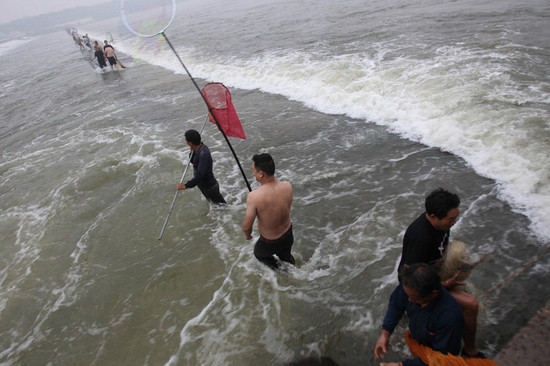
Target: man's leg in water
<point>286,256</point>
<point>213,194</point>
<point>265,249</point>
<point>264,254</point>
<point>285,247</point>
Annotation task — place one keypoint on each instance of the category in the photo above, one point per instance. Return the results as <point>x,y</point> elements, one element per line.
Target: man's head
<point>106,42</point>
<point>421,283</point>
<point>442,209</point>
<point>263,164</point>
<point>193,137</point>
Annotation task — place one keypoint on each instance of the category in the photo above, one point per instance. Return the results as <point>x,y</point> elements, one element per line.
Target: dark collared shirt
<point>202,167</point>
<point>439,325</point>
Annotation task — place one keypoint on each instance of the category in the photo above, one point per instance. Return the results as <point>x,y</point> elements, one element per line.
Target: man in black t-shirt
<point>98,54</point>
<point>425,241</point>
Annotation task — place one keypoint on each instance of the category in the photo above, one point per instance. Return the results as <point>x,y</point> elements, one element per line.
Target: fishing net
<point>457,260</point>
<point>147,18</point>
<point>109,37</point>
<point>219,99</point>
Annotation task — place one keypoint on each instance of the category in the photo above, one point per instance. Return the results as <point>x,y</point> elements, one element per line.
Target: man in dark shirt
<point>202,167</point>
<point>435,318</point>
<point>100,56</point>
<point>425,241</point>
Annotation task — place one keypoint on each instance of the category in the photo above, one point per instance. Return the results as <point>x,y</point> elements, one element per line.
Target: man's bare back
<point>109,51</point>
<point>271,203</point>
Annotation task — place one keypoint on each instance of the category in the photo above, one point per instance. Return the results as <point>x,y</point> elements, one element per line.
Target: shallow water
<point>362,118</point>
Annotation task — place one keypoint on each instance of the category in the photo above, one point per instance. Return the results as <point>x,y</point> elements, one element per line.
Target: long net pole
<point>210,111</point>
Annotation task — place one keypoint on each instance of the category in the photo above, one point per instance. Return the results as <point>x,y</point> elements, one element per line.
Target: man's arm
<point>249,216</point>
<point>182,186</point>
<point>396,308</point>
<point>382,344</point>
<point>452,282</point>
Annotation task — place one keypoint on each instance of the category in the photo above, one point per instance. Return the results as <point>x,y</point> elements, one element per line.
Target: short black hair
<point>264,162</point>
<point>193,136</point>
<point>422,278</point>
<point>439,202</point>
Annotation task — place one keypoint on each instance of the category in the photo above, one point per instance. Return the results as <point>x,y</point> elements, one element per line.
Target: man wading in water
<point>110,54</point>
<point>271,204</point>
<point>202,166</point>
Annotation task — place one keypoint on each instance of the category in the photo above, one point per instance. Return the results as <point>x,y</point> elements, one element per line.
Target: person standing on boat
<point>202,167</point>
<point>426,240</point>
<point>271,205</point>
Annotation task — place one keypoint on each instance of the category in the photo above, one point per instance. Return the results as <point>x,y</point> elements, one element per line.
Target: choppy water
<point>365,106</point>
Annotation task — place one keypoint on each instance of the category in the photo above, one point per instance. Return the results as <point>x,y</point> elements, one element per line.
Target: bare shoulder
<point>285,184</point>
<point>253,195</point>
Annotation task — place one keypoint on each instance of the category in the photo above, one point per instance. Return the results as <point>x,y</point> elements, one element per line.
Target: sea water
<point>366,106</point>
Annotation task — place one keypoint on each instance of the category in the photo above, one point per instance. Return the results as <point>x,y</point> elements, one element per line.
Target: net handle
<point>129,27</point>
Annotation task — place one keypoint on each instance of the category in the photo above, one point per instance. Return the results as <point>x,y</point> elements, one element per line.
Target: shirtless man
<point>271,204</point>
<point>110,54</point>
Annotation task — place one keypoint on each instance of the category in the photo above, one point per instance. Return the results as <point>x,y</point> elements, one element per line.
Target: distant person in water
<point>98,54</point>
<point>271,205</point>
<point>79,43</point>
<point>110,54</point>
<point>202,167</point>
<point>87,41</point>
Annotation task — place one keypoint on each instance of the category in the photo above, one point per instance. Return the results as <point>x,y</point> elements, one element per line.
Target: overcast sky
<point>16,9</point>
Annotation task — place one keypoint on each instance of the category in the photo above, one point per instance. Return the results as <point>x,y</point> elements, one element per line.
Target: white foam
<point>461,100</point>
<point>8,46</point>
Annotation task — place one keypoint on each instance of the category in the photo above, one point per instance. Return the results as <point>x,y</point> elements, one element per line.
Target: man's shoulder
<point>418,225</point>
<point>420,220</point>
<point>284,189</point>
<point>284,183</point>
<point>203,151</point>
<point>255,196</point>
<point>266,190</point>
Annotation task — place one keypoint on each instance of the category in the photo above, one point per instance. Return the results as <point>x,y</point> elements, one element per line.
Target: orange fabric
<point>435,358</point>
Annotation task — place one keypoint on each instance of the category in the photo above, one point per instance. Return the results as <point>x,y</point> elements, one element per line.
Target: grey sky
<point>16,9</point>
